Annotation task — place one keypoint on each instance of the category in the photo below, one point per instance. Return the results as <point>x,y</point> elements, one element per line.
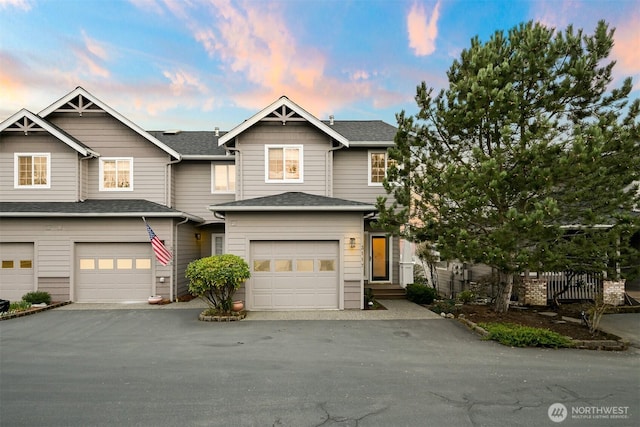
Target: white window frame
<point>101,173</point>
<point>386,166</point>
<point>284,179</point>
<point>213,178</point>
<point>16,170</point>
<point>213,243</point>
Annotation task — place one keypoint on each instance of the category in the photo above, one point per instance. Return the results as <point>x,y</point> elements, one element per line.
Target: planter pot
<point>237,306</point>
<point>155,299</point>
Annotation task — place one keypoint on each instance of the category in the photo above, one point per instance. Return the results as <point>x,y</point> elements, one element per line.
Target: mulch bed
<point>532,317</point>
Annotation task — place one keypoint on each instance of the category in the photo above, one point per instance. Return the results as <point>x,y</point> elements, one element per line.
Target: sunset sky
<point>198,64</point>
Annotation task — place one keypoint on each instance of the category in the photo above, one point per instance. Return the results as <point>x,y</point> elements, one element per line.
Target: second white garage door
<point>294,275</point>
<point>113,272</point>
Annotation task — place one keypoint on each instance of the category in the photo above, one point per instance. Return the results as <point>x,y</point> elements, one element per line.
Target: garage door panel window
<point>124,264</point>
<point>143,264</point>
<point>283,265</point>
<point>87,264</point>
<point>261,265</point>
<point>105,264</point>
<point>327,265</point>
<point>304,265</point>
<point>7,263</point>
<point>26,263</point>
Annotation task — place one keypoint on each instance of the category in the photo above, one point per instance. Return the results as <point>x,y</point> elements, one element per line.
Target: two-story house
<point>291,194</point>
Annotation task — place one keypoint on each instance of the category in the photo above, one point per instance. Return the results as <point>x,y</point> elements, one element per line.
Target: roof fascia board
<point>283,100</point>
<point>46,126</point>
<point>208,157</point>
<point>361,208</point>
<point>372,144</point>
<point>81,91</point>
<point>102,215</point>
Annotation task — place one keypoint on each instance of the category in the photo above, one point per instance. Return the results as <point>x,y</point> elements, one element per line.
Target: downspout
<point>329,179</point>
<point>173,290</point>
<point>238,163</point>
<point>80,195</point>
<point>168,181</point>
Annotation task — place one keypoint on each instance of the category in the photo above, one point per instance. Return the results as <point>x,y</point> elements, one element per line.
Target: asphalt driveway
<point>165,368</point>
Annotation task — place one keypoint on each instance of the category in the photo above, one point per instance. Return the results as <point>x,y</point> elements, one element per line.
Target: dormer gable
<point>26,122</point>
<point>283,110</point>
<point>81,102</point>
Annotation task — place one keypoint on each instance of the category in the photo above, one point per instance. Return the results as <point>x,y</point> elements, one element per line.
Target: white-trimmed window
<point>223,178</point>
<point>217,244</point>
<point>32,170</point>
<point>379,162</point>
<point>283,163</point>
<point>116,174</point>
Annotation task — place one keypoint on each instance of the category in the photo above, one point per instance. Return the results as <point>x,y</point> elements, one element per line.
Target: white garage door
<point>294,275</point>
<point>113,272</point>
<point>16,271</point>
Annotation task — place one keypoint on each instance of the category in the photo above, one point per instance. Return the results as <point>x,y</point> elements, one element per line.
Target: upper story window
<point>116,174</point>
<point>378,164</point>
<point>283,163</point>
<point>32,170</point>
<point>223,178</point>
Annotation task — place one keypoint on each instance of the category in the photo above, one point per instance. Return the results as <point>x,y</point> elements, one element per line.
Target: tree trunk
<point>504,292</point>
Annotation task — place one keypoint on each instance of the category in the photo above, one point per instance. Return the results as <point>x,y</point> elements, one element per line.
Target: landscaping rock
<point>548,313</point>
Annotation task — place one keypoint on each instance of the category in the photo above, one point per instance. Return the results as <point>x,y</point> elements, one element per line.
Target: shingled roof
<point>293,201</point>
<point>92,208</point>
<point>192,144</point>
<point>365,131</point>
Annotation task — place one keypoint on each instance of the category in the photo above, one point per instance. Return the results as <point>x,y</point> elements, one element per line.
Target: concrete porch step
<point>387,291</point>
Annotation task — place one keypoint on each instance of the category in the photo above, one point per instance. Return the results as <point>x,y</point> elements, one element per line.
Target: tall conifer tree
<point>527,142</point>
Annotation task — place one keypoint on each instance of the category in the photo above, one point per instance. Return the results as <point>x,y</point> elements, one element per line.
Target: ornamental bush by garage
<point>216,278</point>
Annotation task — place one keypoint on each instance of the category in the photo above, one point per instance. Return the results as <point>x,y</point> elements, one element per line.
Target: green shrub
<point>216,278</point>
<point>19,306</point>
<point>421,294</point>
<point>524,336</point>
<point>466,297</point>
<point>37,297</point>
<point>444,306</point>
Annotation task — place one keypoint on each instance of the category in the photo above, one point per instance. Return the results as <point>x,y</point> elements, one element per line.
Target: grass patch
<point>525,336</point>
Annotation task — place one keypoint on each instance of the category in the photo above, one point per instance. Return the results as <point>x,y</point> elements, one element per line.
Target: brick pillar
<point>613,292</point>
<point>535,292</point>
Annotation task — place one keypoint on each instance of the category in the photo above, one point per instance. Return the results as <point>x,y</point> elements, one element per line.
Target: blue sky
<point>198,64</point>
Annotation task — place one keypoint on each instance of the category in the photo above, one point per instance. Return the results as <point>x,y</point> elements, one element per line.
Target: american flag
<point>162,253</point>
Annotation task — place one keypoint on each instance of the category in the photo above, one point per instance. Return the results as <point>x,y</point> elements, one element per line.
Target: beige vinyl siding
<point>63,164</point>
<point>242,228</point>
<point>352,295</point>
<point>190,250</point>
<point>110,138</point>
<point>252,147</point>
<point>58,287</point>
<point>351,176</point>
<point>193,189</point>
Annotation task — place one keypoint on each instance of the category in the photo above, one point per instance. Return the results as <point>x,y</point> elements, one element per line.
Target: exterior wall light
<point>198,236</point>
<point>352,242</point>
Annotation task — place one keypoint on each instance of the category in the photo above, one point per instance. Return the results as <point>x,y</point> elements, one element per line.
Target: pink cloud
<point>626,49</point>
<point>183,82</point>
<point>423,29</point>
